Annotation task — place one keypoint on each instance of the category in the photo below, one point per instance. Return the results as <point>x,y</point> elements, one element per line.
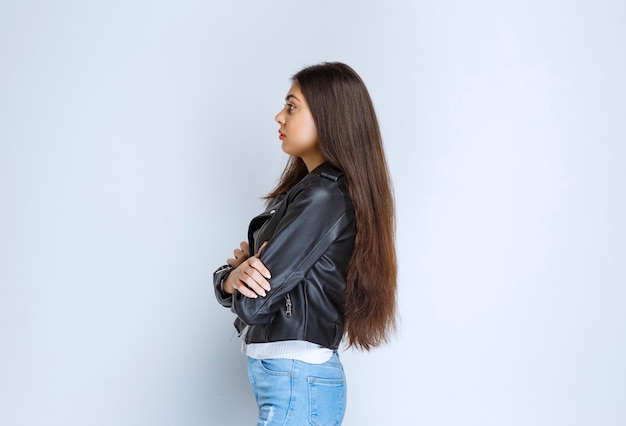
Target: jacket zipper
<point>288,305</point>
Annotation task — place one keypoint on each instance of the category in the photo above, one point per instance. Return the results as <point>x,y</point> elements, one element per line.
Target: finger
<point>259,279</point>
<point>232,262</point>
<point>256,263</point>
<point>245,291</point>
<point>245,248</point>
<point>255,282</point>
<point>240,254</point>
<point>258,253</point>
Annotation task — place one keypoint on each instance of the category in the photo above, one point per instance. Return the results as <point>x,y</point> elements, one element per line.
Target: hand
<point>249,278</point>
<point>241,254</point>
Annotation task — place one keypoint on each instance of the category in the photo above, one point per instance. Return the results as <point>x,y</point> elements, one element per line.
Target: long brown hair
<point>350,139</point>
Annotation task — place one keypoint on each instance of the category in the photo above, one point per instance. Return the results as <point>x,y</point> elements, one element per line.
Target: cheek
<point>301,137</point>
<point>307,131</point>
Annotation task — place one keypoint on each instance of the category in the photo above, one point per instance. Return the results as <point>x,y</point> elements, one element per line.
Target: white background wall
<point>137,137</point>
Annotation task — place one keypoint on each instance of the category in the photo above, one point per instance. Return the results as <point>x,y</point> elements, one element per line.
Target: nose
<point>280,117</point>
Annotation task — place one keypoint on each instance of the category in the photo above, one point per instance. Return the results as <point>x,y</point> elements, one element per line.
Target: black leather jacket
<point>310,232</point>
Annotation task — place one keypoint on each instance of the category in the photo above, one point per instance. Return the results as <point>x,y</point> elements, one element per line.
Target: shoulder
<point>323,183</point>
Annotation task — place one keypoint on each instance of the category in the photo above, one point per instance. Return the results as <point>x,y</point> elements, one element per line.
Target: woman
<point>324,264</point>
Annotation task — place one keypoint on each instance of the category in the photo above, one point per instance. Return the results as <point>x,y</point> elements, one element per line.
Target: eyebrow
<point>289,96</point>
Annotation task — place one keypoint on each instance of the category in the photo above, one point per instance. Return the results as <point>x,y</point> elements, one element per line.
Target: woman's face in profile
<point>297,127</point>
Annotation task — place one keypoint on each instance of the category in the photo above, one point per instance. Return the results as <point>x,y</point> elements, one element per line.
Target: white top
<point>300,350</point>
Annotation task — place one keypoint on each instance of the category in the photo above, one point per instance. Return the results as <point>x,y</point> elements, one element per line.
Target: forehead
<point>295,91</point>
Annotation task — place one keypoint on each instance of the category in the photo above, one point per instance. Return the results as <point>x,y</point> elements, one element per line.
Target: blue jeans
<point>290,392</point>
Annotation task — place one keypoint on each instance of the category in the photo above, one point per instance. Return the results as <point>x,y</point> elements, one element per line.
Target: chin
<point>286,149</point>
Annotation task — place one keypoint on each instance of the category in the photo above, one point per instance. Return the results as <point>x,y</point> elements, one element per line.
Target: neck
<point>313,161</point>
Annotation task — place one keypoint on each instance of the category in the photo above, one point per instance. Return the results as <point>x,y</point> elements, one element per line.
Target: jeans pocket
<point>327,401</point>
<point>277,367</point>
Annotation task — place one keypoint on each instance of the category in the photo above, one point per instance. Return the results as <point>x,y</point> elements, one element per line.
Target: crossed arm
<point>250,274</point>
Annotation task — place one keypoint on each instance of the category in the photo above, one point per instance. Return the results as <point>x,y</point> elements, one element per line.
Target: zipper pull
<point>288,305</point>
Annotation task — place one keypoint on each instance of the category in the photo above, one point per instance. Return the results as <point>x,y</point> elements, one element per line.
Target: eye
<point>290,107</point>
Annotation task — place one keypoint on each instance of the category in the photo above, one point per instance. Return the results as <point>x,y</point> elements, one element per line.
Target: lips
<point>281,135</point>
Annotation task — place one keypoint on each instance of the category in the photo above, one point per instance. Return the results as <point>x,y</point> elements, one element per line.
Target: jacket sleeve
<point>313,220</point>
<point>218,277</point>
